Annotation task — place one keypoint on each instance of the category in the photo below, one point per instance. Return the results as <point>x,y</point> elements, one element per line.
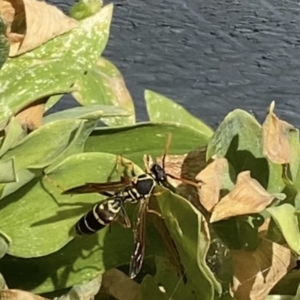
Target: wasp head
<point>159,174</point>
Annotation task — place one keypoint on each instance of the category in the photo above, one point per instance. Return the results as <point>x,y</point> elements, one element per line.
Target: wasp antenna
<point>147,162</point>
<point>167,146</point>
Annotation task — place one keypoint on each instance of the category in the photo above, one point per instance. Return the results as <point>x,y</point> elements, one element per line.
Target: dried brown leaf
<point>185,166</point>
<point>247,197</point>
<point>276,146</point>
<point>119,285</point>
<point>211,177</point>
<point>255,273</point>
<point>19,295</point>
<point>32,23</point>
<point>31,117</point>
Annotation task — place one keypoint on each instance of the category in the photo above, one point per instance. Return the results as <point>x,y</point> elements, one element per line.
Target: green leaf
<point>85,44</point>
<point>8,172</point>
<point>239,139</point>
<point>85,8</point>
<point>286,220</point>
<point>149,290</point>
<point>52,101</point>
<point>4,244</point>
<point>84,291</point>
<point>184,224</point>
<point>77,144</point>
<point>87,112</point>
<point>33,83</point>
<point>14,134</point>
<point>280,297</point>
<point>4,44</point>
<point>35,151</point>
<point>145,138</point>
<point>162,109</point>
<point>104,84</point>
<point>295,158</point>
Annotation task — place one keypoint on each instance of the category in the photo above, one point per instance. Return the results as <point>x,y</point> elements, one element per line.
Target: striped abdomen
<point>99,216</point>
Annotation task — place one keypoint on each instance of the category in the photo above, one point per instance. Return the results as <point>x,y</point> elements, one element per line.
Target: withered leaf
<point>276,146</point>
<point>19,295</point>
<point>185,166</point>
<point>119,285</point>
<point>247,197</point>
<point>255,273</point>
<point>211,177</point>
<point>32,23</point>
<point>31,117</point>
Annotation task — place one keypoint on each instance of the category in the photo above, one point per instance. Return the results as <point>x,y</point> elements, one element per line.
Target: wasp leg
<point>115,168</point>
<point>159,193</point>
<point>128,165</point>
<point>186,181</point>
<point>151,211</point>
<point>123,218</point>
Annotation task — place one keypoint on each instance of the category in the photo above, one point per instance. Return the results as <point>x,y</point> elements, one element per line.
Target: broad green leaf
<point>34,150</point>
<point>77,144</point>
<point>13,134</point>
<point>286,219</point>
<point>149,290</point>
<point>295,158</point>
<point>162,109</point>
<point>52,101</point>
<point>239,139</point>
<point>184,224</point>
<point>86,112</point>
<point>8,171</point>
<point>36,81</point>
<point>84,45</point>
<point>4,44</point>
<point>85,291</point>
<point>4,244</point>
<point>85,8</point>
<point>104,84</point>
<point>172,283</point>
<point>281,297</point>
<point>289,282</point>
<point>145,138</point>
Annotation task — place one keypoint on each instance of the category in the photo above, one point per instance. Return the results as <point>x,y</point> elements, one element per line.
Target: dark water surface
<point>210,56</point>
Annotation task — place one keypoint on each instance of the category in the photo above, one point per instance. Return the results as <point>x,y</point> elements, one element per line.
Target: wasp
<point>134,189</point>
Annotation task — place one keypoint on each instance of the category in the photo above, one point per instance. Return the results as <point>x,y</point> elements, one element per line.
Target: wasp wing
<point>96,187</point>
<point>139,239</point>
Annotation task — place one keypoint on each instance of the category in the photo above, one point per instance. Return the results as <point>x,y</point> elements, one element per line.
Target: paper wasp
<point>134,189</point>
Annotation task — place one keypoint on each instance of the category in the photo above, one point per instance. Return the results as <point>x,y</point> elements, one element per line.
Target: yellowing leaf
<point>19,295</point>
<point>247,197</point>
<point>185,166</point>
<point>211,177</point>
<point>276,146</point>
<point>32,23</point>
<point>255,273</point>
<point>31,117</point>
<point>119,285</point>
